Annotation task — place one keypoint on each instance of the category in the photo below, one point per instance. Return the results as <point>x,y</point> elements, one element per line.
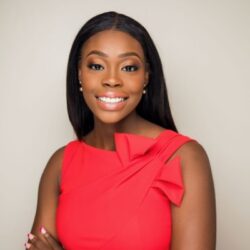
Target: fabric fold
<point>130,146</point>
<point>170,182</point>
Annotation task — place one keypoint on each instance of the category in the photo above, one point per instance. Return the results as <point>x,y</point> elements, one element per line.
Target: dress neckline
<point>118,135</point>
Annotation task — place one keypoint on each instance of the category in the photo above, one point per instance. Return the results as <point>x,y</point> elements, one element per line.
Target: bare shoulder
<point>55,161</point>
<point>192,151</point>
<point>53,167</point>
<point>56,158</point>
<point>195,162</point>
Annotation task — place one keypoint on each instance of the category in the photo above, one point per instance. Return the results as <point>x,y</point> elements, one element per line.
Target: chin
<point>110,121</point>
<point>111,118</point>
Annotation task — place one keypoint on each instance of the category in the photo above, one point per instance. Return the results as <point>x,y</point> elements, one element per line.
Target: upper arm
<point>194,222</point>
<point>48,194</point>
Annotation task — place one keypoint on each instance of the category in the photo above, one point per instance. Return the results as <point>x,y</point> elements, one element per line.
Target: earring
<point>144,90</point>
<point>80,88</point>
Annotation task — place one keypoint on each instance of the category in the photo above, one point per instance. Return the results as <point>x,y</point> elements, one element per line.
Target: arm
<point>48,195</point>
<point>194,222</point>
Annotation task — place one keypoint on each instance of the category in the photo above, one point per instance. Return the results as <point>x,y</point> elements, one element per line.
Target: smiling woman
<point>129,180</point>
<point>113,74</point>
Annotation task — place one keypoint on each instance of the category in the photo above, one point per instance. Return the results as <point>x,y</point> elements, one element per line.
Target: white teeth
<point>111,100</point>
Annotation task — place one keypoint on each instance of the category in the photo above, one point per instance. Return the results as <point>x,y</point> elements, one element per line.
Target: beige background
<point>205,48</point>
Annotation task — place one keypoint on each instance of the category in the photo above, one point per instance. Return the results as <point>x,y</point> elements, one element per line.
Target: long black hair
<point>154,106</point>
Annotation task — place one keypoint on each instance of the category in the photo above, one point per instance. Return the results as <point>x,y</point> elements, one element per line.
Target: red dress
<point>120,200</point>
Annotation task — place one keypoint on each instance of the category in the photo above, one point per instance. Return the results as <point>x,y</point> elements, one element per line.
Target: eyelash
<point>94,66</point>
<point>133,67</point>
<point>98,67</point>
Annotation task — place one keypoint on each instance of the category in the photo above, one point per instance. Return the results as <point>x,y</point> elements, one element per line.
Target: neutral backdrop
<point>205,49</point>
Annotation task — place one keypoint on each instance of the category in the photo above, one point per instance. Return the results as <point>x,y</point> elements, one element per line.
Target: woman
<point>130,181</point>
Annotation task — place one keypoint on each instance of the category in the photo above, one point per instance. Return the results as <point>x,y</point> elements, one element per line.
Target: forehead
<point>112,43</point>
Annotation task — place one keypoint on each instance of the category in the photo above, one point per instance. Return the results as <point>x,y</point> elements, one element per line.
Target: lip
<point>112,106</point>
<point>112,95</point>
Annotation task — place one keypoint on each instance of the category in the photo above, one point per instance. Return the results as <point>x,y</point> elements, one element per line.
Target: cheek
<point>90,79</point>
<point>135,85</point>
<point>90,82</point>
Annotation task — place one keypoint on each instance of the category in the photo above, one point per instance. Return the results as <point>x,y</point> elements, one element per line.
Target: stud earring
<point>144,90</point>
<point>80,88</point>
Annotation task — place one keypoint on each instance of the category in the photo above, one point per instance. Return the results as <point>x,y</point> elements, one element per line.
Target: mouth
<point>111,100</point>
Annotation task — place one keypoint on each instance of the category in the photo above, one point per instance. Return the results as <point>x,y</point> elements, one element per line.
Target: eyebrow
<point>102,54</point>
<point>97,52</point>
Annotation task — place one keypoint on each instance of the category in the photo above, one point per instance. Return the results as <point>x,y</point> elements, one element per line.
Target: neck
<point>102,135</point>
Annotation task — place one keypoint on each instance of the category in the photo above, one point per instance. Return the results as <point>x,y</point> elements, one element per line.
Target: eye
<point>130,68</point>
<point>95,66</point>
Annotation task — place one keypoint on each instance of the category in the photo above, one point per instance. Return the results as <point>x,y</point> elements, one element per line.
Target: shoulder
<point>60,157</point>
<point>196,171</point>
<point>52,171</point>
<point>55,160</point>
<point>193,155</point>
<point>192,150</point>
<point>53,168</point>
<point>57,156</point>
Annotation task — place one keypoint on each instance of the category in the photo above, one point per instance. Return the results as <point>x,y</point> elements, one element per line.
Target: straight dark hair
<point>154,105</point>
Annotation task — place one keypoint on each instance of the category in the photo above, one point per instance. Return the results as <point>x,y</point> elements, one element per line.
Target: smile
<point>111,100</point>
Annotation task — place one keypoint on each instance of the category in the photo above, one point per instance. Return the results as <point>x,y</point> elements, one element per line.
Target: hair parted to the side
<point>154,105</point>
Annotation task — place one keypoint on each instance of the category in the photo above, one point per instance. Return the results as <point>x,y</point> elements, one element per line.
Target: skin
<point>108,66</point>
<point>108,61</point>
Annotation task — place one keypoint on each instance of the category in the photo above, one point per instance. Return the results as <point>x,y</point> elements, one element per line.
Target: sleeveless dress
<point>120,200</point>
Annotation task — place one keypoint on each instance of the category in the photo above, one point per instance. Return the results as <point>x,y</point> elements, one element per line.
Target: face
<point>112,71</point>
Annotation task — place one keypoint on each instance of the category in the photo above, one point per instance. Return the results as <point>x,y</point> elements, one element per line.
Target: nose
<point>112,80</point>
